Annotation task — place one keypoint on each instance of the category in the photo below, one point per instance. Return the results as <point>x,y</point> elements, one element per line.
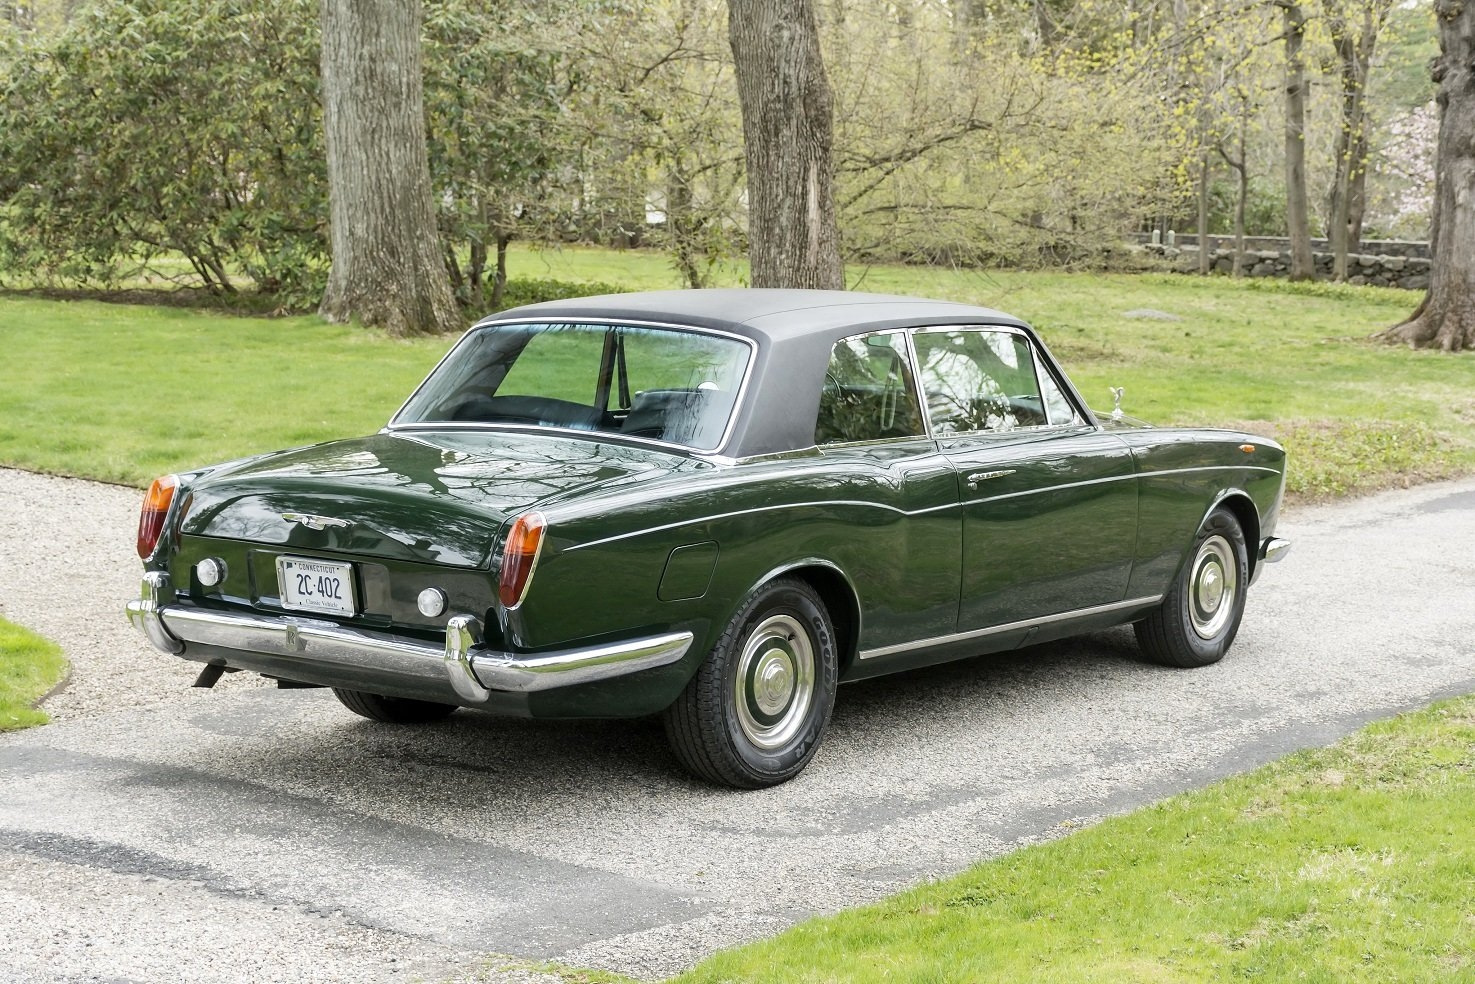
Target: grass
<point>29,667</point>
<point>1347,864</point>
<point>122,393</point>
<point>1290,361</point>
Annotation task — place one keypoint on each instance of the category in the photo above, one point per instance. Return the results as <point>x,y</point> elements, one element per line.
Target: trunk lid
<point>437,497</point>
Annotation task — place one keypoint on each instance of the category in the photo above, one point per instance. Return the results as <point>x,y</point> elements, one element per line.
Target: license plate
<point>316,586</point>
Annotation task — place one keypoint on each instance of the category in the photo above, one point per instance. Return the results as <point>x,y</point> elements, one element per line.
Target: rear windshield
<point>661,384</point>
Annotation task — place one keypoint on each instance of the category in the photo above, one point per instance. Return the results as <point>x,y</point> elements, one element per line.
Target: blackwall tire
<point>392,710</point>
<point>1199,616</point>
<point>758,707</point>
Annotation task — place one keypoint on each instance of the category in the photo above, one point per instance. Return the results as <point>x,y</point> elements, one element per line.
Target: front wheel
<point>392,710</point>
<point>1200,614</point>
<point>758,707</point>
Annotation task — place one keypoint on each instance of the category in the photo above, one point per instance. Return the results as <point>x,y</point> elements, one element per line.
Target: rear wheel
<point>1200,615</point>
<point>392,710</point>
<point>757,709</point>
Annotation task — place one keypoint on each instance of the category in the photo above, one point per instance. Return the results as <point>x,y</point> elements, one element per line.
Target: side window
<point>1057,405</point>
<point>869,394</point>
<point>979,380</point>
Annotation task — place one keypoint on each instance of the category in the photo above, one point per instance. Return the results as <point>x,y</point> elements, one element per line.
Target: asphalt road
<point>247,832</point>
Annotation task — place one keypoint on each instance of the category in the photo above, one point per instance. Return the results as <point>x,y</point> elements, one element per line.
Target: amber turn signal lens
<point>1247,448</point>
<point>519,558</point>
<point>155,508</point>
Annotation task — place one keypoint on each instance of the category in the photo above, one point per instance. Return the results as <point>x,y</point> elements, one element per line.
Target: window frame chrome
<point>395,426</point>
<point>1042,359</point>
<point>916,389</point>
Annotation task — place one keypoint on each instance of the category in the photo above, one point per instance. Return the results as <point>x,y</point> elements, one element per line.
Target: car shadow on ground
<point>482,762</point>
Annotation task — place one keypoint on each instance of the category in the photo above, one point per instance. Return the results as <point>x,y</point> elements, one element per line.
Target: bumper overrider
<point>461,672</point>
<point>1272,550</point>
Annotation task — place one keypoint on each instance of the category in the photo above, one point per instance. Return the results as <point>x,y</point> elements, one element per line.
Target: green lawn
<point>124,392</point>
<point>29,667</point>
<point>1348,864</point>
<point>1286,360</point>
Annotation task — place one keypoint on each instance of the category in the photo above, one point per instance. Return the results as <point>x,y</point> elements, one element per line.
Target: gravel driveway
<point>155,832</point>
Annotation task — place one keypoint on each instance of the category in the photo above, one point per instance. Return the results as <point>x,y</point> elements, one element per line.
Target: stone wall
<point>1377,270</point>
<point>1279,244</point>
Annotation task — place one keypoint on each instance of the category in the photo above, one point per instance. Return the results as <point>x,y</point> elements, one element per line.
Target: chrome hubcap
<point>775,682</point>
<point>1214,587</point>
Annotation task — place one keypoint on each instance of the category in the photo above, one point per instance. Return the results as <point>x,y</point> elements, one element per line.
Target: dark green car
<point>713,506</point>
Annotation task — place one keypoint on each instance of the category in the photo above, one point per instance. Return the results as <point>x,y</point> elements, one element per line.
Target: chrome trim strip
<point>1121,478</point>
<point>143,612</point>
<point>1010,627</point>
<point>588,435</point>
<point>459,668</point>
<point>733,414</point>
<point>755,510</point>
<point>903,512</point>
<point>862,445</point>
<point>971,326</point>
<point>920,391</point>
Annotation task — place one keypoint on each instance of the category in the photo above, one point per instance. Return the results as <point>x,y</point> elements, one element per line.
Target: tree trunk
<point>1241,198</point>
<point>1357,191</point>
<point>1203,213</point>
<point>1241,168</point>
<point>970,21</point>
<point>793,238</point>
<point>1046,28</point>
<point>476,265</point>
<point>1346,202</point>
<point>681,225</point>
<point>387,270</point>
<point>499,276</point>
<point>1298,221</point>
<point>1446,318</point>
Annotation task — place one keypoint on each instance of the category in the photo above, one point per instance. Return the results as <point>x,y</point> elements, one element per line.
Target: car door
<point>1049,501</point>
<point>896,492</point>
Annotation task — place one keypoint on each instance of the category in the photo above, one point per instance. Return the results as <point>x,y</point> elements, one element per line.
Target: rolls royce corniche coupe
<point>712,506</point>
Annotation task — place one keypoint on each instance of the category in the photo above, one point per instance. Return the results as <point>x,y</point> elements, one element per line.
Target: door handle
<point>977,477</point>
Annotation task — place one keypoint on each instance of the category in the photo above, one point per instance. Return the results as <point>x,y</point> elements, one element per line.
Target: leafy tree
<point>496,83</point>
<point>166,128</point>
<point>657,127</point>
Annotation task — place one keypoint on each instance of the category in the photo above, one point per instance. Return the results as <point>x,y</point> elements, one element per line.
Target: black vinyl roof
<point>794,331</point>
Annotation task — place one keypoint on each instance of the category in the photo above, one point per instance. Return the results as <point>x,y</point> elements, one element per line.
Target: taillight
<point>155,508</point>
<point>519,558</point>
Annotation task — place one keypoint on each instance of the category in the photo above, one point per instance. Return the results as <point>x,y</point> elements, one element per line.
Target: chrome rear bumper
<point>461,671</point>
